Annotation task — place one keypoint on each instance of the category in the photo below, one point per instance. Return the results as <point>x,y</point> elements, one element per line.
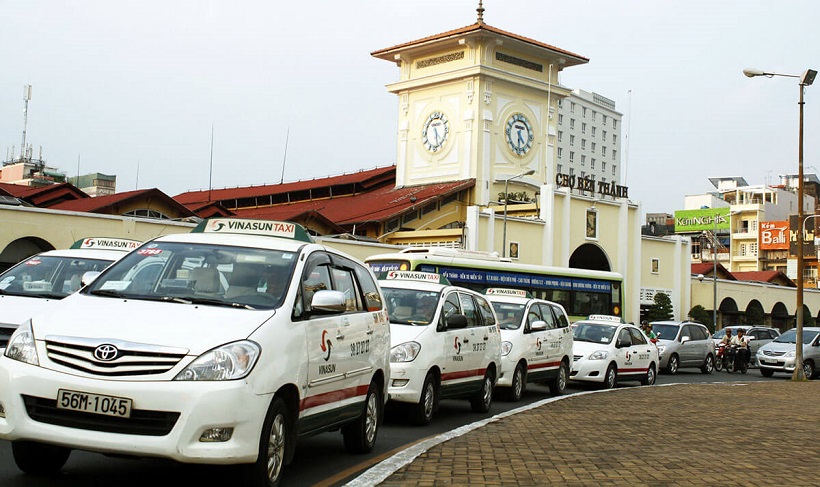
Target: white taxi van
<point>42,279</point>
<point>222,346</point>
<point>536,341</point>
<point>445,343</point>
<point>607,351</point>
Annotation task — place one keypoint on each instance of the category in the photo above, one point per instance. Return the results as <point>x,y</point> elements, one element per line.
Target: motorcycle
<point>736,359</point>
<point>719,356</point>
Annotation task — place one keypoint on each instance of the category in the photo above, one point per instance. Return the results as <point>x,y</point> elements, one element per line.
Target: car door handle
<point>465,341</point>
<point>369,331</point>
<point>486,338</point>
<point>340,336</point>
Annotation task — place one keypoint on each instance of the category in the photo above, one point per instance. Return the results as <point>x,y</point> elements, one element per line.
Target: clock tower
<point>477,103</point>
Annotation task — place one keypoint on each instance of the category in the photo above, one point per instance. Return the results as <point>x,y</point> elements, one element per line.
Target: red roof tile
<point>764,276</point>
<point>92,205</point>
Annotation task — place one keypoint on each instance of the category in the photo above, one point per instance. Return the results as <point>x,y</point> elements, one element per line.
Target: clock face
<point>435,131</point>
<point>519,134</point>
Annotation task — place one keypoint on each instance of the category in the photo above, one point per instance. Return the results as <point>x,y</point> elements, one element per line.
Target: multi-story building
<point>95,184</point>
<point>589,137</point>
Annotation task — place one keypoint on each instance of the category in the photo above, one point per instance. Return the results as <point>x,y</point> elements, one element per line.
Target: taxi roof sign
<point>414,276</point>
<point>498,291</point>
<point>101,243</point>
<point>610,318</point>
<point>243,226</point>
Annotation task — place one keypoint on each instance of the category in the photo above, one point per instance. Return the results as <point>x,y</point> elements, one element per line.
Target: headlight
<point>21,345</point>
<point>506,348</point>
<point>790,353</point>
<point>661,349</point>
<point>405,352</point>
<point>228,362</point>
<point>599,355</point>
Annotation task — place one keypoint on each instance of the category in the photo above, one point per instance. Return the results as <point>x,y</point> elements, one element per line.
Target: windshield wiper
<point>107,292</point>
<point>211,301</point>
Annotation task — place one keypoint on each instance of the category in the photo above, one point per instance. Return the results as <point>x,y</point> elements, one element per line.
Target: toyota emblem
<point>106,352</point>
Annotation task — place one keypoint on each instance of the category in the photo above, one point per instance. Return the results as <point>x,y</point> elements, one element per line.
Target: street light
<point>806,79</point>
<point>506,199</point>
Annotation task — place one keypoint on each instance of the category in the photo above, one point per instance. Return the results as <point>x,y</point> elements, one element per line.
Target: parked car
<point>445,343</point>
<point>684,344</point>
<point>536,342</point>
<point>607,351</point>
<point>779,354</point>
<point>758,336</point>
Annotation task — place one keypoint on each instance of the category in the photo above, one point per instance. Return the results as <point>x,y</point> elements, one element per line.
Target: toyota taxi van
<point>536,341</point>
<point>608,351</point>
<point>243,337</point>
<point>444,341</point>
<point>45,278</point>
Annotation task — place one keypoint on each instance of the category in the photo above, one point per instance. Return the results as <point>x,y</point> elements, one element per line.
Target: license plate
<point>94,403</point>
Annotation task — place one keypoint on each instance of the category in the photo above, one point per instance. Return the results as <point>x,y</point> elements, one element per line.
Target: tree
<point>698,313</point>
<point>661,309</point>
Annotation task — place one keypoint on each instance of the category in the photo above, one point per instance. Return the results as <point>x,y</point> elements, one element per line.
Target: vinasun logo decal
<point>457,346</point>
<point>326,345</point>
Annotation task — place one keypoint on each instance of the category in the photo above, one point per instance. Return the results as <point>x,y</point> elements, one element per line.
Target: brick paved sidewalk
<point>661,435</point>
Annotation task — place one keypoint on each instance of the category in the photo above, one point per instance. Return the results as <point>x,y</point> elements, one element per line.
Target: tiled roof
<point>44,196</point>
<point>763,276</point>
<point>707,268</point>
<point>363,178</point>
<point>100,203</point>
<point>476,28</point>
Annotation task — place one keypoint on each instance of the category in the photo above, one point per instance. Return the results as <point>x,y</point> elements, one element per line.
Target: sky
<point>291,92</point>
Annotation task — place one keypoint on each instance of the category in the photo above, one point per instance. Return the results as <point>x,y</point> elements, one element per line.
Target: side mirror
<point>684,339</point>
<point>328,301</point>
<point>623,343</point>
<point>89,277</point>
<point>751,338</point>
<point>456,321</point>
<point>538,325</point>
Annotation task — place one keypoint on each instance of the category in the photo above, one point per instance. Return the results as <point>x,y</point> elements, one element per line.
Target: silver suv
<point>778,355</point>
<point>758,336</point>
<point>684,344</point>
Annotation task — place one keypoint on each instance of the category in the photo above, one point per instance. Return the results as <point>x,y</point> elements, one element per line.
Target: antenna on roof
<point>285,157</point>
<point>26,98</point>
<point>480,11</point>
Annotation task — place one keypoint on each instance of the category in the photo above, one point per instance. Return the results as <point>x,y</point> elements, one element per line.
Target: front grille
<point>770,353</point>
<point>132,359</point>
<point>5,334</point>
<point>141,422</point>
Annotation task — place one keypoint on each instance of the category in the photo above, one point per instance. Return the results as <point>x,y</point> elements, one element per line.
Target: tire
<point>483,399</point>
<point>766,372</point>
<point>423,411</point>
<point>672,366</point>
<point>273,445</point>
<point>559,384</point>
<point>39,458</point>
<point>611,377</point>
<point>360,435</point>
<point>708,364</point>
<point>744,367</point>
<point>651,376</point>
<point>516,390</point>
<point>808,369</point>
<point>719,364</point>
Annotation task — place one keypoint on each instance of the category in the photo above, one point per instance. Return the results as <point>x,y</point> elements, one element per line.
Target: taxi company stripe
<point>462,374</point>
<point>333,396</point>
<point>543,365</point>
<point>631,371</point>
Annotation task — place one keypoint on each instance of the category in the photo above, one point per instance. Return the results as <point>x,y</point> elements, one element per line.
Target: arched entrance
<point>755,315</point>
<point>590,256</point>
<point>22,248</point>
<point>780,317</point>
<point>728,313</point>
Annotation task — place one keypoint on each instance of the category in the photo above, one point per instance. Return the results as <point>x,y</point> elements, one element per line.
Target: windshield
<point>510,315</point>
<point>665,331</point>
<point>411,306</point>
<point>200,274</point>
<point>593,332</point>
<point>791,336</point>
<point>48,276</point>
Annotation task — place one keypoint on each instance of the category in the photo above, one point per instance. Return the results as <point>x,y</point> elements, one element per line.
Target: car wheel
<point>38,458</point>
<point>481,402</point>
<point>650,376</point>
<point>808,369</point>
<point>766,372</point>
<point>516,391</point>
<point>267,471</point>
<point>708,364</point>
<point>426,406</point>
<point>672,366</point>
<point>360,435</point>
<point>611,377</point>
<point>719,364</point>
<point>559,384</point>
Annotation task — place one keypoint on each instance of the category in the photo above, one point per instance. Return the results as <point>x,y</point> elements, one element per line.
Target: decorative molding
<point>405,102</point>
<point>433,61</point>
<point>506,58</point>
<point>488,92</point>
<point>470,91</point>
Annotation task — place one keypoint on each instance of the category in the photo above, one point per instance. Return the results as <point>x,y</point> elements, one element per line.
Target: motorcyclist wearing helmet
<point>741,341</point>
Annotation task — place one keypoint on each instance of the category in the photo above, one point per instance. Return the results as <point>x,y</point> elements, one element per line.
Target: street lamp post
<point>506,198</point>
<point>714,276</point>
<point>806,79</point>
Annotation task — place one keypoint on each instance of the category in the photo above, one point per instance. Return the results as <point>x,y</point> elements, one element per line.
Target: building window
<point>614,123</point>
<point>753,248</point>
<point>583,174</point>
<point>604,118</point>
<point>603,151</point>
<point>593,115</point>
<point>614,169</point>
<point>593,147</point>
<point>572,171</point>
<point>603,179</point>
<point>603,135</point>
<point>561,103</point>
<point>571,140</point>
<point>743,250</point>
<point>593,131</point>
<point>560,152</point>
<point>560,135</point>
<point>572,107</point>
<point>583,127</point>
<point>655,265</point>
<point>592,163</point>
<point>614,138</point>
<point>560,119</point>
<point>583,159</point>
<point>584,112</point>
<point>584,144</point>
<point>603,166</point>
<point>146,213</point>
<point>572,123</point>
<point>560,168</point>
<point>614,154</point>
<point>571,157</point>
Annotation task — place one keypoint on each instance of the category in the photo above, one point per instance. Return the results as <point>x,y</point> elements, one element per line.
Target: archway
<point>755,315</point>
<point>590,256</point>
<point>728,313</point>
<point>780,317</point>
<point>22,248</point>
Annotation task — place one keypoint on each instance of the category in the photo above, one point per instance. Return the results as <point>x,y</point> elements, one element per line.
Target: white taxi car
<point>608,351</point>
<point>536,341</point>
<point>47,277</point>
<point>176,363</point>
<point>445,343</point>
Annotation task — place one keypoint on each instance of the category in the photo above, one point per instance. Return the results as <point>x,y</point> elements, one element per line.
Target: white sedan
<point>607,351</point>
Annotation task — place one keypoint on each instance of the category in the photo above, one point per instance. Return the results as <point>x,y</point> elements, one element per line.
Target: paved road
<point>319,461</point>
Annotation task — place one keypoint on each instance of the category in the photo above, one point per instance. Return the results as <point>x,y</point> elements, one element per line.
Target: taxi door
<point>541,345</point>
<point>632,358</point>
<point>459,361</point>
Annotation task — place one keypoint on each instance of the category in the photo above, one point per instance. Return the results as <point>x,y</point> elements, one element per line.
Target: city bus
<point>582,292</point>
